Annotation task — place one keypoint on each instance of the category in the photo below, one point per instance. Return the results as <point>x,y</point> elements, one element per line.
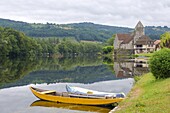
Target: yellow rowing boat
<point>65,97</point>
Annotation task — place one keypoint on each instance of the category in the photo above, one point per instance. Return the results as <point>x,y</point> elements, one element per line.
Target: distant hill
<point>80,31</point>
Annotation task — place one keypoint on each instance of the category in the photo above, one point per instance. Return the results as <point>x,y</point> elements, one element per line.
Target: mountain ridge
<point>80,31</point>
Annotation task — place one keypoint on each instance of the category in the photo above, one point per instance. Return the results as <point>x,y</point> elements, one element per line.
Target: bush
<point>160,64</point>
<point>107,49</point>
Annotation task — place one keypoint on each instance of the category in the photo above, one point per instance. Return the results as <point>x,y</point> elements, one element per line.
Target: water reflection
<point>88,69</point>
<point>130,68</point>
<point>85,69</point>
<point>13,70</point>
<point>98,109</point>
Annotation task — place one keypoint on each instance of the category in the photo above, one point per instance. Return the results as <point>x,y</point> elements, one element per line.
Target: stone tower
<point>139,31</point>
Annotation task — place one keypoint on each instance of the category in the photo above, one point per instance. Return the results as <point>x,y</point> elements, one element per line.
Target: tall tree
<point>165,40</point>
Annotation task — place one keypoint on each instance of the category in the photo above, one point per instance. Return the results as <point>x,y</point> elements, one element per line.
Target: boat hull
<point>75,100</point>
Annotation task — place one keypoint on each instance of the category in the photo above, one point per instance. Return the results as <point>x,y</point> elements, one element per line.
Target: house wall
<point>127,46</point>
<point>144,49</point>
<point>116,43</point>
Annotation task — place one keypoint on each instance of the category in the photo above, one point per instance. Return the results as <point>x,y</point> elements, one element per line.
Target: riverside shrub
<point>107,49</point>
<point>160,63</point>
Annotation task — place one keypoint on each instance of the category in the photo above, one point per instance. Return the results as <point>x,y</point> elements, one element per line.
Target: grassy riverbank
<point>147,96</point>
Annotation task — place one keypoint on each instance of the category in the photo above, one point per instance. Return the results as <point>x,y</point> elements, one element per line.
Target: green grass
<point>147,96</point>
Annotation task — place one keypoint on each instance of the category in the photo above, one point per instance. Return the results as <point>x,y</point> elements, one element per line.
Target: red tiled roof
<point>157,42</point>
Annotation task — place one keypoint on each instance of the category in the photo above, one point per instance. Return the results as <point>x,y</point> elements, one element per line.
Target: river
<point>102,74</point>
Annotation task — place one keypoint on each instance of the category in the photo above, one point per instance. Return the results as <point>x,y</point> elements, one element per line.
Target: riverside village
<point>85,56</point>
<point>135,42</point>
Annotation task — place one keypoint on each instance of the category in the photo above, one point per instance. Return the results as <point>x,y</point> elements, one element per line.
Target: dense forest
<point>14,43</point>
<point>79,31</point>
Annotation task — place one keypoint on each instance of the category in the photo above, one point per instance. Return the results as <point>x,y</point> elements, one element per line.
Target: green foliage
<point>14,43</point>
<point>165,40</point>
<point>160,63</point>
<point>69,47</point>
<point>108,60</point>
<point>12,70</point>
<point>155,32</point>
<point>144,54</point>
<point>137,78</point>
<point>80,31</point>
<point>111,40</point>
<point>107,49</point>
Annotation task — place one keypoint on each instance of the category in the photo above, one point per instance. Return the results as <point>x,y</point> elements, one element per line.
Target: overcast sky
<point>108,12</point>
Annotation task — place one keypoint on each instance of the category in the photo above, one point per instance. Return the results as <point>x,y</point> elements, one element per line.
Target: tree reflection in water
<point>23,71</point>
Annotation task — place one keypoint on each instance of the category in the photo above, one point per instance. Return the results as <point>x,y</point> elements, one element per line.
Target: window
<point>138,45</point>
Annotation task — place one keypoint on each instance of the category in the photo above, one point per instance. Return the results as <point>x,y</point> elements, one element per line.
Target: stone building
<point>133,43</point>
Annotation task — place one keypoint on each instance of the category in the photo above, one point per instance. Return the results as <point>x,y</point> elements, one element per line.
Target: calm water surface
<point>87,72</point>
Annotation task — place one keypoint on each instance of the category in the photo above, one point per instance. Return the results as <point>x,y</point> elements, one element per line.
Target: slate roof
<point>139,24</point>
<point>125,38</point>
<point>143,40</point>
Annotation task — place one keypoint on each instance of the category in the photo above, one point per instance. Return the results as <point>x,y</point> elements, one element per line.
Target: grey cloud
<point>110,12</point>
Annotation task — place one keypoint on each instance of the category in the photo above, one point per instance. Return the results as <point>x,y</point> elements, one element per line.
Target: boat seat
<point>47,92</point>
